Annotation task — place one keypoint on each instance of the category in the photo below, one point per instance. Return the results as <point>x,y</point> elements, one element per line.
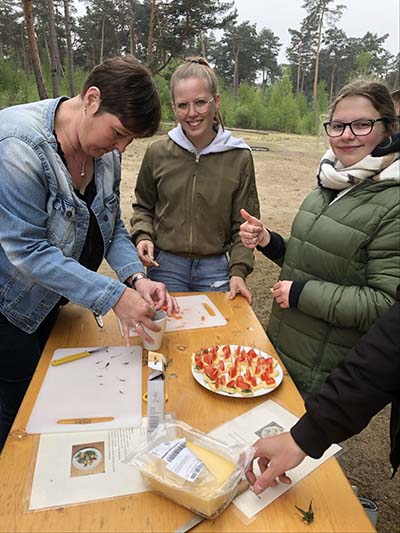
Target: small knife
<point>76,356</point>
<point>190,524</point>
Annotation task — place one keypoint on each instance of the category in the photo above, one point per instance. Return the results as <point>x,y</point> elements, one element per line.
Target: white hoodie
<point>222,142</point>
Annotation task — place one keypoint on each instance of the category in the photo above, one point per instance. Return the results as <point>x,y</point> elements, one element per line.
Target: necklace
<point>83,164</point>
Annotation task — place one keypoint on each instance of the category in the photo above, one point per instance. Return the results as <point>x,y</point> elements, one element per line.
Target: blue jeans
<point>181,274</point>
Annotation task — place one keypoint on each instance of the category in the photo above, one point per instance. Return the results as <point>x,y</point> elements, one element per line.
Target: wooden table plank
<point>336,507</point>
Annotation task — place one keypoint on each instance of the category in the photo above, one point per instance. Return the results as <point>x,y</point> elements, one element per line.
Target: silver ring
<point>137,325</point>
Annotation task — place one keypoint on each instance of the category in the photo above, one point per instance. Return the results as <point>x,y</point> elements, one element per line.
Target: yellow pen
<point>75,356</point>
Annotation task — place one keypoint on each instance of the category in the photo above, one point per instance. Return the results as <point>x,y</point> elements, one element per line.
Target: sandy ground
<point>285,174</point>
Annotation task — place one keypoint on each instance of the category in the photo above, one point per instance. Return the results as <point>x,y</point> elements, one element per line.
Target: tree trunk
<point>70,54</point>
<point>315,84</point>
<point>299,69</point>
<point>25,58</point>
<point>332,82</point>
<point>102,39</point>
<point>236,71</point>
<point>34,49</point>
<point>54,53</point>
<point>132,39</point>
<point>46,46</point>
<point>203,45</point>
<point>149,59</point>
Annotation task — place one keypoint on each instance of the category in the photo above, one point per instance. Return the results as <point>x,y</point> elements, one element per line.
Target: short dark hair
<point>128,91</point>
<point>379,96</point>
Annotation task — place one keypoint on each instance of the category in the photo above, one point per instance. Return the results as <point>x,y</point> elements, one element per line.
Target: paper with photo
<point>265,420</point>
<point>81,467</point>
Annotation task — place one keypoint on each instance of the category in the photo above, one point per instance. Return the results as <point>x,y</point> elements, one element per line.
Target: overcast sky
<point>360,16</point>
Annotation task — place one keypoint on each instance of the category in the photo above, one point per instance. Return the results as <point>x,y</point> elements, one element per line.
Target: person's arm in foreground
<point>354,392</point>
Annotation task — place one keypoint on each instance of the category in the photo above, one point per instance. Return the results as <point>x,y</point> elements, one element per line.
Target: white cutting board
<point>107,383</point>
<point>194,312</point>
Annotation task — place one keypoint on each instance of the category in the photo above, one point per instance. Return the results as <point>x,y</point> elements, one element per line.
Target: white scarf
<point>332,174</point>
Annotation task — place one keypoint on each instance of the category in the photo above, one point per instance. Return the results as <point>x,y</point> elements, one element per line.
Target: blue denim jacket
<point>43,224</point>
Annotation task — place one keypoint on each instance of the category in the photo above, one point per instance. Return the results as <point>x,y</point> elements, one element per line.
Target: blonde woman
<point>189,192</point>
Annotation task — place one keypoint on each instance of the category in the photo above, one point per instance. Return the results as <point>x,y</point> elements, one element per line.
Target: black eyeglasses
<point>359,127</point>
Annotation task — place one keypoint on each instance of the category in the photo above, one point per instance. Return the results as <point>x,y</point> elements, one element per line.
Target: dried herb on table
<point>307,516</point>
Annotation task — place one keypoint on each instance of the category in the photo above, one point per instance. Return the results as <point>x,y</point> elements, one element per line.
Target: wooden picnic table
<point>336,506</point>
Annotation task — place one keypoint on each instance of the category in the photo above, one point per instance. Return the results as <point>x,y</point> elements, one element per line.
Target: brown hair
<point>197,67</point>
<point>128,91</point>
<point>379,96</point>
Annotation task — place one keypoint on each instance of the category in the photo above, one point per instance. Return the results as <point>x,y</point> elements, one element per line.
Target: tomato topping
<point>221,366</point>
<point>259,367</point>
<point>231,383</point>
<point>242,356</point>
<point>199,364</point>
<point>253,382</point>
<point>248,375</point>
<point>208,359</point>
<point>238,349</point>
<point>211,371</point>
<point>226,349</point>
<point>233,372</point>
<point>241,383</point>
<point>252,353</point>
<point>265,376</point>
<point>222,380</point>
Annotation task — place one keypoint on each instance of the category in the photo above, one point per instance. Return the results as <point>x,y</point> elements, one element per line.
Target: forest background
<point>47,47</point>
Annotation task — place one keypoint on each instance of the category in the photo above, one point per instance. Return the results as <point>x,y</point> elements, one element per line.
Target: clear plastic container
<point>191,468</point>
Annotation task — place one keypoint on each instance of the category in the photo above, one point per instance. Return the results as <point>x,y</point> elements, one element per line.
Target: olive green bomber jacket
<point>190,205</point>
<point>348,253</point>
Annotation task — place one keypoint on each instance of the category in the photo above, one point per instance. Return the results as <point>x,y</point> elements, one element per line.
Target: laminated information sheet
<point>82,467</point>
<point>266,420</point>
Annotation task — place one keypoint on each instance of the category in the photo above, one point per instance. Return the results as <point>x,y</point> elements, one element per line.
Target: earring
<point>390,140</point>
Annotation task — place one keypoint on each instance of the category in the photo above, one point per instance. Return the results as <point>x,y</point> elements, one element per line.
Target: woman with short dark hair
<point>60,168</point>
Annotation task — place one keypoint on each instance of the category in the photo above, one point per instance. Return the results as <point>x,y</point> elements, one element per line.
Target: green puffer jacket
<point>189,204</point>
<point>348,253</point>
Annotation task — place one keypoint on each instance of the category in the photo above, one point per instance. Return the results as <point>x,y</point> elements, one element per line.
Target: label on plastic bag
<point>180,459</point>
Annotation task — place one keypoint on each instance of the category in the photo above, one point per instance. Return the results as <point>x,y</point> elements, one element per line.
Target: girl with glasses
<point>189,192</point>
<point>341,264</point>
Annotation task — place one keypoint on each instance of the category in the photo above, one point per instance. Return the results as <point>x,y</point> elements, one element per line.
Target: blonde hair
<point>199,68</point>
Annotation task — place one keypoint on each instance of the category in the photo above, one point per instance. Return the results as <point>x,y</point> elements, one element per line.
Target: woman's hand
<point>156,294</point>
<point>237,285</point>
<point>275,455</point>
<point>280,292</point>
<point>252,232</point>
<point>134,312</point>
<point>145,250</point>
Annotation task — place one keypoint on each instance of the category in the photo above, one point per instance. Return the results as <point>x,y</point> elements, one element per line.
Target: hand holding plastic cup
<point>160,320</point>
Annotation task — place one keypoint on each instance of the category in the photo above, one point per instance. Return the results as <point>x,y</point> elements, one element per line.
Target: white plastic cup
<point>160,320</point>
